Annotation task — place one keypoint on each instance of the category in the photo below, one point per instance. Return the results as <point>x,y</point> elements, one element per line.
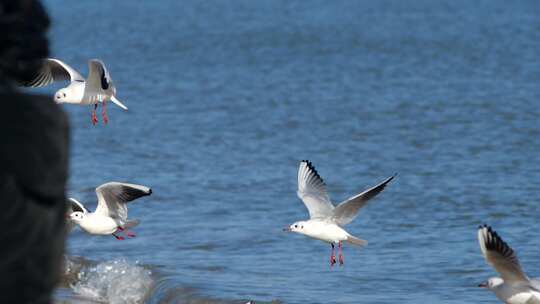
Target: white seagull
<point>326,220</point>
<point>97,88</point>
<point>513,287</point>
<point>111,212</point>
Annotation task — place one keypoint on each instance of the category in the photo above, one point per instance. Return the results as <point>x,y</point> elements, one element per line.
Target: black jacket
<point>33,172</point>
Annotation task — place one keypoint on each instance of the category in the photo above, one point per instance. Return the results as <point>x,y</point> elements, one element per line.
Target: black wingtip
<point>312,169</point>
<point>496,243</point>
<point>389,180</point>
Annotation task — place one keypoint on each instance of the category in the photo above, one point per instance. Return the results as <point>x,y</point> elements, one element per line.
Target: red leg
<point>94,116</point>
<point>104,112</point>
<point>332,256</point>
<point>341,260</point>
<point>118,237</point>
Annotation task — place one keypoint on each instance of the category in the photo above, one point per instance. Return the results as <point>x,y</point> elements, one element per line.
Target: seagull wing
<point>99,78</point>
<point>500,256</point>
<point>75,205</point>
<point>346,211</point>
<point>312,191</point>
<point>113,197</point>
<point>54,70</point>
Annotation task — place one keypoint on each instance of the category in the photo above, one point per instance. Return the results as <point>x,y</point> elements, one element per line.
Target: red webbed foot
<point>120,238</point>
<point>94,116</point>
<point>104,113</point>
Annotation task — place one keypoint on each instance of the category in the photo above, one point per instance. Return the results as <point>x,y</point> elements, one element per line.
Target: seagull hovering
<point>97,88</point>
<point>111,212</point>
<point>326,220</point>
<point>513,287</point>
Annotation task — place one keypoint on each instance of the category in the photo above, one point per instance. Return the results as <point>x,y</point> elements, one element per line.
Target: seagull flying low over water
<point>513,287</point>
<point>111,212</point>
<point>326,220</point>
<point>97,88</point>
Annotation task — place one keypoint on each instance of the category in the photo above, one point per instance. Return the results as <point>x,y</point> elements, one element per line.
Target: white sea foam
<point>114,282</point>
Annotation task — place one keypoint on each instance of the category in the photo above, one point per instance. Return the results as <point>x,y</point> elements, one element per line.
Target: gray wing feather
<point>113,197</point>
<point>535,284</point>
<point>99,79</point>
<point>312,191</point>
<point>54,70</point>
<point>346,211</point>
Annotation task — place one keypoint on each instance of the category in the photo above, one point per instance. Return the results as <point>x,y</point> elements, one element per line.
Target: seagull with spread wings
<point>513,287</point>
<point>97,88</point>
<point>111,214</point>
<point>326,220</point>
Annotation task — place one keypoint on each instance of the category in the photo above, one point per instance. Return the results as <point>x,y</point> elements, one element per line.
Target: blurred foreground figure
<point>33,162</point>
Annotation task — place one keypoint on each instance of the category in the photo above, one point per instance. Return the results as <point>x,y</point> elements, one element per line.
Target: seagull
<point>97,88</point>
<point>111,212</point>
<point>513,287</point>
<point>326,220</point>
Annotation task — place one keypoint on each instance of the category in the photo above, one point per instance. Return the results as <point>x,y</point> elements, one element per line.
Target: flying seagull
<point>111,214</point>
<point>326,220</point>
<point>513,287</point>
<point>97,88</point>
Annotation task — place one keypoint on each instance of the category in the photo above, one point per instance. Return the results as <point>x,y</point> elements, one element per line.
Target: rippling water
<point>226,97</point>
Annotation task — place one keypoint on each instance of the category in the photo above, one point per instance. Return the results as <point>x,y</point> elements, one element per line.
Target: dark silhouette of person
<point>33,162</point>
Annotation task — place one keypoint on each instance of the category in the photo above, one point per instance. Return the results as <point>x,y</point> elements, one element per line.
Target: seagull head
<point>296,227</point>
<point>492,283</point>
<point>76,216</point>
<point>62,95</point>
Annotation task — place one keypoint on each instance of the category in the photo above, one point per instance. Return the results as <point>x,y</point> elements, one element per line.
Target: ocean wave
<point>117,281</point>
<point>120,281</point>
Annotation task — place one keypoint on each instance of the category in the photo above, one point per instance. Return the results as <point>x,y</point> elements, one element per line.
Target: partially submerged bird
<point>97,88</point>
<point>514,286</point>
<point>111,215</point>
<point>326,220</point>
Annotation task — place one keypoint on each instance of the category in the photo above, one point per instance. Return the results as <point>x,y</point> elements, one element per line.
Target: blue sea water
<point>226,97</point>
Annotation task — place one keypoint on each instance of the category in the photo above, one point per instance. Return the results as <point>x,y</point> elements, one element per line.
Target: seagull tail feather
<point>118,103</point>
<point>356,241</point>
<point>131,223</point>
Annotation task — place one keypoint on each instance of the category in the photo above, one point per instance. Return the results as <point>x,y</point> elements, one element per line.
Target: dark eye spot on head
<point>295,226</point>
<point>64,94</point>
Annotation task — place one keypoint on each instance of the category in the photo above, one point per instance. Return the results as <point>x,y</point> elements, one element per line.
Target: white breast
<point>98,224</point>
<point>75,93</point>
<point>324,231</point>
